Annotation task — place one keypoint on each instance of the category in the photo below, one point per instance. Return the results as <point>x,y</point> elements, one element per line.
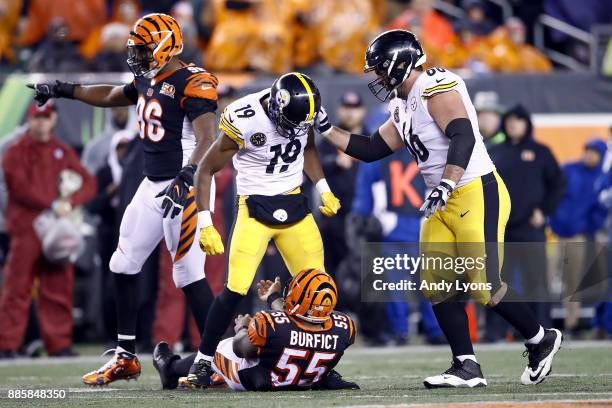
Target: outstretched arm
<point>382,143</point>
<point>96,95</point>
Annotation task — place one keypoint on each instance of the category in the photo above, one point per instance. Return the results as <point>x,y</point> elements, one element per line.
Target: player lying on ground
<point>433,116</point>
<point>176,106</point>
<point>270,138</point>
<point>293,346</point>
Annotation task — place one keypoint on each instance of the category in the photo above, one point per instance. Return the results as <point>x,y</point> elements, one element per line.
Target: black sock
<point>219,318</point>
<point>199,298</point>
<point>180,368</point>
<point>519,315</point>
<point>126,302</point>
<point>453,321</point>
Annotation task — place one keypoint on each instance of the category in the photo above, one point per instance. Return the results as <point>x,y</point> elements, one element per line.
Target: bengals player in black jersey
<point>176,105</point>
<point>293,346</point>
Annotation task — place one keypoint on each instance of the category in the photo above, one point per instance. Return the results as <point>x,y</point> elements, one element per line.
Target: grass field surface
<point>582,377</point>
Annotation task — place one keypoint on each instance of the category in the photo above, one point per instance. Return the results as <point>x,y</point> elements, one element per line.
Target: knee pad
<point>119,263</point>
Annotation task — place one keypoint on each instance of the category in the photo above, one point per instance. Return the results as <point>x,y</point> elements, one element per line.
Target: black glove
<point>177,191</point>
<point>44,92</point>
<point>437,198</point>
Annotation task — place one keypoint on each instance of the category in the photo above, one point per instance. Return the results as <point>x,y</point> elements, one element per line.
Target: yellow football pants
<point>472,226</point>
<point>299,244</point>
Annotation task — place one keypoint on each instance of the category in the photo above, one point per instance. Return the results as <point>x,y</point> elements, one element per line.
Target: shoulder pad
<point>229,124</point>
<point>258,328</point>
<point>201,84</point>
<point>438,80</point>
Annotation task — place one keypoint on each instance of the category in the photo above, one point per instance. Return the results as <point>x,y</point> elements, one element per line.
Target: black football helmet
<point>392,56</point>
<point>294,103</point>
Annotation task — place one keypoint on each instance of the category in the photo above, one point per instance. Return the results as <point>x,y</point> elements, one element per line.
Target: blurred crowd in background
<point>81,196</point>
<point>280,35</point>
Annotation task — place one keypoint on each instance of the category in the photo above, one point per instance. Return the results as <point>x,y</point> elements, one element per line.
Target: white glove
<point>438,198</point>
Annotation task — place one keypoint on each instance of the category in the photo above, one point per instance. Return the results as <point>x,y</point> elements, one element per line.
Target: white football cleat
<point>466,374</point>
<point>540,357</point>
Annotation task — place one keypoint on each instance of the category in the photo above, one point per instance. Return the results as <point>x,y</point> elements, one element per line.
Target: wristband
<point>272,298</point>
<point>65,89</point>
<point>448,183</point>
<point>205,218</point>
<point>322,186</point>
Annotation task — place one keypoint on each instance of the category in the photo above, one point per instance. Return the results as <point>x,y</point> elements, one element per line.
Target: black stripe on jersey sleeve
<point>195,107</point>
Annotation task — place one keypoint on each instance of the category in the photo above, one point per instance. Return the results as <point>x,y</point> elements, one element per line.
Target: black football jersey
<point>166,105</point>
<point>292,356</point>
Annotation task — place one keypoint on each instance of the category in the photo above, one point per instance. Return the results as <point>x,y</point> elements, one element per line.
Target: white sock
<point>537,338</point>
<point>202,356</point>
<point>464,357</point>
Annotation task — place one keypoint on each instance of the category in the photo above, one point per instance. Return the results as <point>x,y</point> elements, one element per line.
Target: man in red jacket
<point>32,166</point>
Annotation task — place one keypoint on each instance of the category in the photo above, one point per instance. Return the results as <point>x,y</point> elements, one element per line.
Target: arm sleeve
<point>258,329</point>
<point>88,189</point>
<point>130,91</point>
<point>195,107</point>
<point>462,141</point>
<point>19,187</point>
<point>368,148</point>
<point>554,181</point>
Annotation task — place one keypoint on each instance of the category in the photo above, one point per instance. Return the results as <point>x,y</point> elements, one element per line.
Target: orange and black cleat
<point>122,366</point>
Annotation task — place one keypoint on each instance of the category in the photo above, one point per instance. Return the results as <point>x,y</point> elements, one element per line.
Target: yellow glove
<point>210,240</point>
<point>331,204</point>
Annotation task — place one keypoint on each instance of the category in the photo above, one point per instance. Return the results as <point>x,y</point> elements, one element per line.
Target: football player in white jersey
<point>432,115</point>
<point>269,135</point>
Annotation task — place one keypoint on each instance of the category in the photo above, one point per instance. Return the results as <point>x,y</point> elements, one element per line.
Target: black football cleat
<point>540,357</point>
<point>466,374</point>
<point>162,359</point>
<point>334,381</point>
<point>199,375</point>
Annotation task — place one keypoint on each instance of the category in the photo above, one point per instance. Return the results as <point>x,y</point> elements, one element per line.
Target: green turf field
<point>581,371</point>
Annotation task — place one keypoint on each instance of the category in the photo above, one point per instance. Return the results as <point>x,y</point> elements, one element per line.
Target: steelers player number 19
<point>292,149</point>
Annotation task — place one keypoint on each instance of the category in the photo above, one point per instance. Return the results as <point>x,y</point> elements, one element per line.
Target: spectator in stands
<point>97,150</point>
<point>250,34</point>
<point>9,17</point>
<point>80,17</point>
<point>57,53</point>
<point>431,27</point>
<point>32,167</point>
<point>123,16</point>
<point>578,218</point>
<point>343,32</point>
<point>340,171</point>
<point>104,205</point>
<point>536,184</point>
<point>489,117</point>
<point>183,13</point>
<point>508,50</point>
<point>476,18</point>
<point>112,55</point>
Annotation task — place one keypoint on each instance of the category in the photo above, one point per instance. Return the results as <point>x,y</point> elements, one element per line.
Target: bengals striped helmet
<point>154,40</point>
<point>311,296</point>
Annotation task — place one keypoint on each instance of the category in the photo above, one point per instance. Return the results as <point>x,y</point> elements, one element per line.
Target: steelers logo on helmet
<point>154,40</point>
<point>293,104</point>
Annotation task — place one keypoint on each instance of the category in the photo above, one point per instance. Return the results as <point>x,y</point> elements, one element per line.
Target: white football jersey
<point>422,136</point>
<point>267,163</point>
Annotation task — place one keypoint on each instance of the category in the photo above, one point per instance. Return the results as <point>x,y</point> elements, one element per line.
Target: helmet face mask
<point>392,56</point>
<point>141,60</point>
